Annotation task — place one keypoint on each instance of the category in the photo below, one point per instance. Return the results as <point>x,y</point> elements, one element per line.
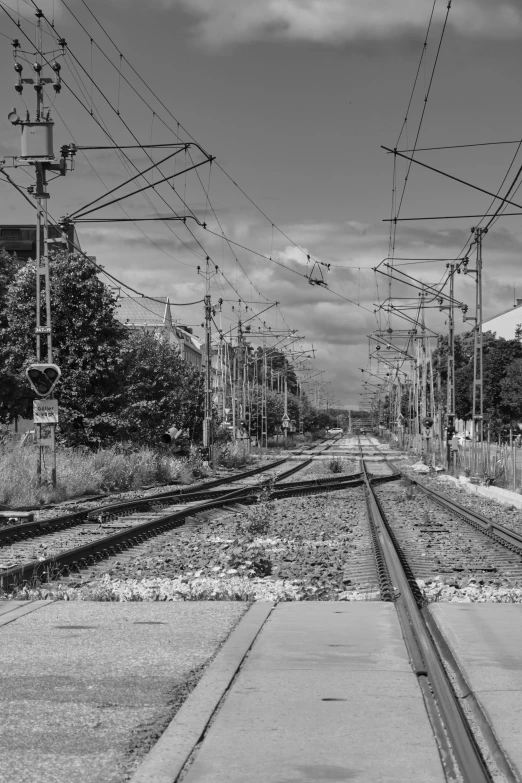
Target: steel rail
<point>447,717</point>
<point>108,545</point>
<point>445,654</point>
<point>11,533</point>
<point>81,557</point>
<point>502,535</point>
<point>494,530</point>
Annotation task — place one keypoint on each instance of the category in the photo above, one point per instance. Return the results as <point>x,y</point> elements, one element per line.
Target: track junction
<point>394,534</point>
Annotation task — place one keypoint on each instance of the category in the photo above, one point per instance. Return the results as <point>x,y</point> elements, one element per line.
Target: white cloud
<point>336,327</point>
<point>336,21</point>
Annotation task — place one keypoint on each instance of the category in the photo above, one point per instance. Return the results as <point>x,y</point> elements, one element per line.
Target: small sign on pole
<point>45,411</point>
<point>285,421</point>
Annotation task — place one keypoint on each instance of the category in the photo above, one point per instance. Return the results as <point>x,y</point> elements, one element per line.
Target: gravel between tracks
<point>309,548</point>
<point>320,469</point>
<point>466,588</point>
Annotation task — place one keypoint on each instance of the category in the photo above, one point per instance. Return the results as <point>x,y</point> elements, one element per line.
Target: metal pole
<point>450,430</point>
<point>478,405</point>
<point>285,429</point>
<point>39,271</point>
<point>233,389</point>
<point>264,417</point>
<point>207,422</point>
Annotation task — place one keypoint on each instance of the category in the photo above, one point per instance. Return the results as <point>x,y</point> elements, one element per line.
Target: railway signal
<point>43,378</point>
<point>171,435</point>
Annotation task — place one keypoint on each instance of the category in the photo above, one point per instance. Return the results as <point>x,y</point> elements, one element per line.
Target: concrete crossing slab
<point>326,694</point>
<point>486,642</point>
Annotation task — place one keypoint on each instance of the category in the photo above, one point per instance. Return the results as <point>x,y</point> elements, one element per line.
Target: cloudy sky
<point>294,98</point>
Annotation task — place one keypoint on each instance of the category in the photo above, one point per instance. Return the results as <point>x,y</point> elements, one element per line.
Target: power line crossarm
<point>145,187</point>
<point>450,176</point>
<point>131,179</point>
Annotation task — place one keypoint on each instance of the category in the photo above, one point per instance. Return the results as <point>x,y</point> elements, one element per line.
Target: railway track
<point>463,748</point>
<point>428,526</point>
<point>41,550</point>
<point>462,731</point>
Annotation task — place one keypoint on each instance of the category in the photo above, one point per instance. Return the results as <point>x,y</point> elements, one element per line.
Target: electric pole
<point>37,150</point>
<point>450,428</point>
<point>478,403</point>
<point>207,422</point>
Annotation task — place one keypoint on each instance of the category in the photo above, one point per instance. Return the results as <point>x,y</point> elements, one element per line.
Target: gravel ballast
<point>308,548</point>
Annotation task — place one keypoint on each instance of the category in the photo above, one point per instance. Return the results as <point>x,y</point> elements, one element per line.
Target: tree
<point>159,390</point>
<point>511,391</point>
<point>86,345</point>
<point>278,363</point>
<point>498,359</point>
<point>9,382</point>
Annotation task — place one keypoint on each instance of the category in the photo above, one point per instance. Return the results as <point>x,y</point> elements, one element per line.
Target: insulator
<point>57,86</point>
<point>19,86</point>
<point>37,67</point>
<point>56,66</point>
<point>62,42</point>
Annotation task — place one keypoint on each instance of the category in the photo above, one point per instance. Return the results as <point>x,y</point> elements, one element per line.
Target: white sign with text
<point>45,411</point>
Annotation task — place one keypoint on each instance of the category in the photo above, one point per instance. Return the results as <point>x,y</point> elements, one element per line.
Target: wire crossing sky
<point>294,106</point>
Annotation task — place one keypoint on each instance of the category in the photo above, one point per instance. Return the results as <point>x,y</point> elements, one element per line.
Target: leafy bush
<point>335,465</point>
<point>232,455</point>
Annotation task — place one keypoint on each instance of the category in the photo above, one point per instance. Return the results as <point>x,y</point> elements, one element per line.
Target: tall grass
<point>80,472</point>
<point>232,455</point>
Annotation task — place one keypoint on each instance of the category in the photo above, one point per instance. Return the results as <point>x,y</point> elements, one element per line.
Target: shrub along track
<point>132,522</point>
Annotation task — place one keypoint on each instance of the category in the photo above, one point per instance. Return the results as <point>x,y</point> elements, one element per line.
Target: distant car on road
<point>335,431</point>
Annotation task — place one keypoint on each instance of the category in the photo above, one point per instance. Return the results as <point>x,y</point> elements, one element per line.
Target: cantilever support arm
<point>450,176</point>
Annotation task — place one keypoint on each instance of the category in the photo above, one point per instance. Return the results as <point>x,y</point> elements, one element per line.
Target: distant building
<point>155,315</point>
<point>21,239</point>
<point>504,324</point>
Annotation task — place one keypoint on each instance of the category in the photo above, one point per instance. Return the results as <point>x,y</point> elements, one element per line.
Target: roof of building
<point>504,312</point>
<point>142,310</point>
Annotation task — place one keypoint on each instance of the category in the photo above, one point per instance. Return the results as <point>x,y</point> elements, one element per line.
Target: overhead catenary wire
<point>163,105</point>
<point>423,112</point>
<point>221,168</point>
<point>98,121</point>
<point>461,146</point>
<point>149,239</point>
<point>92,109</point>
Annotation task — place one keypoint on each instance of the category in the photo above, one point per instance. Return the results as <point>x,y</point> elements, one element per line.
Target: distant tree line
<point>117,384</point>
